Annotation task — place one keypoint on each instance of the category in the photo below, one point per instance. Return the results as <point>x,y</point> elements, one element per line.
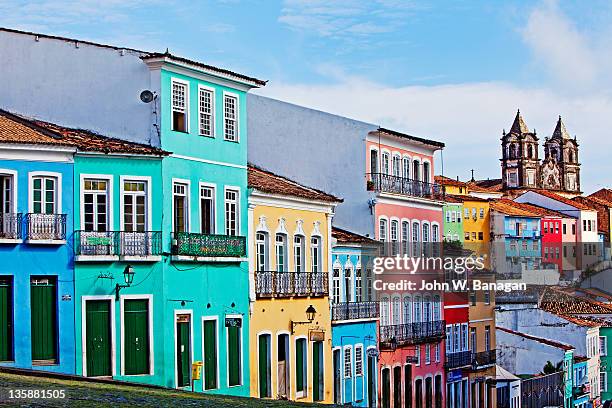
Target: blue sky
<point>450,70</point>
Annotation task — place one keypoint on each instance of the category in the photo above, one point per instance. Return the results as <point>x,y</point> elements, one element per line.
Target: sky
<point>454,71</point>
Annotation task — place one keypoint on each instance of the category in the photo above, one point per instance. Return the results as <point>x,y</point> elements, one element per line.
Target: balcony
<point>458,359</point>
<point>46,228</point>
<point>187,246</point>
<point>484,359</point>
<point>386,183</point>
<point>290,284</point>
<point>355,310</point>
<point>10,227</point>
<point>117,245</point>
<point>412,333</point>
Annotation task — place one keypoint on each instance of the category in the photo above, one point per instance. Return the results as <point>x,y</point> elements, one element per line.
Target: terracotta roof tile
<point>18,129</point>
<point>604,193</point>
<point>343,235</point>
<point>493,185</point>
<point>603,211</point>
<point>548,342</point>
<point>454,198</point>
<point>561,199</point>
<point>560,302</point>
<point>447,181</point>
<point>271,183</point>
<point>541,211</point>
<point>512,208</point>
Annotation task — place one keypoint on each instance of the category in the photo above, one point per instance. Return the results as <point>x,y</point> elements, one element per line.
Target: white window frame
<point>58,189</point>
<point>359,361</point>
<point>149,299</point>
<point>266,246</point>
<point>237,119</point>
<point>315,249</point>
<point>13,175</point>
<point>301,257</point>
<point>213,116</point>
<point>212,186</point>
<point>347,352</point>
<point>187,183</point>
<point>148,193</point>
<point>236,189</point>
<point>187,115</point>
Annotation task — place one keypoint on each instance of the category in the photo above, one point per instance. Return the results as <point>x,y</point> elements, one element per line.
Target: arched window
<point>281,253</point>
<point>348,284</point>
<point>396,316</point>
<point>416,316</point>
<point>512,151</point>
<point>426,172</point>
<point>415,239</point>
<point>336,285</point>
<point>435,238</point>
<point>407,306</point>
<point>397,164</point>
<point>405,237</point>
<point>570,156</point>
<point>384,310</point>
<point>373,161</point>
<point>382,230</point>
<point>416,171</point>
<point>530,152</point>
<point>394,236</point>
<point>261,247</point>
<point>436,308</point>
<point>358,283</point>
<point>427,308</point>
<point>406,167</point>
<point>385,163</point>
<point>299,253</point>
<point>425,239</point>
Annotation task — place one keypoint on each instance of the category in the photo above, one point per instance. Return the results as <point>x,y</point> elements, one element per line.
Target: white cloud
<point>469,118</point>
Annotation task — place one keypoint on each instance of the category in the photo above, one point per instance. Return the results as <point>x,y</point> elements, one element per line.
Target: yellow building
<point>290,323</point>
<point>452,186</point>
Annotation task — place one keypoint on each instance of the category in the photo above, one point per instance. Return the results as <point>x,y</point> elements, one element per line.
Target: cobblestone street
<point>86,394</point>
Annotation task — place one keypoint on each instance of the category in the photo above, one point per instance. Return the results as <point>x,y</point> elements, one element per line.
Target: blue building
<point>355,317</point>
<point>36,272</point>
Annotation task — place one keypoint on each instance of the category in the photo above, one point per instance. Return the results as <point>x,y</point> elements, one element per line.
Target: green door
<point>210,354</point>
<point>136,336</point>
<point>6,319</point>
<point>317,371</point>
<point>183,353</point>
<point>233,344</point>
<point>98,338</point>
<point>264,366</point>
<point>43,306</point>
<point>300,351</point>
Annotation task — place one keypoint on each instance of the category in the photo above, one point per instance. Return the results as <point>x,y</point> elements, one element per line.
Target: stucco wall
<point>314,148</point>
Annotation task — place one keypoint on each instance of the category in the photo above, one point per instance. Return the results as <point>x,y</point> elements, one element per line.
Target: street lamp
<point>128,277</point>
<point>310,315</point>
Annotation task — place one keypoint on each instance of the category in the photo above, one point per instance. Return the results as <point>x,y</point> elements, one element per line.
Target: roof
<point>447,181</point>
<point>560,302</point>
<point>455,198</point>
<point>18,129</point>
<point>268,182</point>
<point>541,211</point>
<point>580,359</point>
<point>175,58</point>
<point>343,235</point>
<point>585,321</point>
<point>501,374</point>
<point>145,55</point>
<point>604,193</point>
<point>519,126</point>
<point>430,142</point>
<point>511,208</point>
<point>560,131</point>
<point>603,211</point>
<point>541,340</point>
<point>489,185</point>
<point>561,199</point>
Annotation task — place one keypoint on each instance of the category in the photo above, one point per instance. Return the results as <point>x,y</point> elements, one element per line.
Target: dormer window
<point>180,103</point>
<point>230,117</point>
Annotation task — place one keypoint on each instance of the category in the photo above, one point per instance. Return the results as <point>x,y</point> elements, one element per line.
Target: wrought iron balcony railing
<point>412,333</point>
<point>208,245</point>
<point>355,310</point>
<point>118,243</point>
<point>10,226</point>
<point>484,358</point>
<point>286,284</point>
<point>45,227</point>
<point>400,185</point>
<point>458,359</point>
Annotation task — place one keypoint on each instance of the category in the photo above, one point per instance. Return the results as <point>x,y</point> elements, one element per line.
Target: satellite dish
<point>147,96</point>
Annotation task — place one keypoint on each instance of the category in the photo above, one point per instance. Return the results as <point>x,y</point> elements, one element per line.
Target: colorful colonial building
<point>290,323</point>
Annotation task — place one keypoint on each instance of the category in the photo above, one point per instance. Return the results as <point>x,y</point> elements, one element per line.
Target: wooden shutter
<point>136,336</point>
<point>6,319</point>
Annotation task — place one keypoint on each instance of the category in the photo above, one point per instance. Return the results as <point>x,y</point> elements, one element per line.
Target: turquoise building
<point>605,342</point>
<point>355,314</point>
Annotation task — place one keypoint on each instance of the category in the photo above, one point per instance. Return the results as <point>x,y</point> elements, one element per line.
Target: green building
<point>605,341</point>
<point>453,219</point>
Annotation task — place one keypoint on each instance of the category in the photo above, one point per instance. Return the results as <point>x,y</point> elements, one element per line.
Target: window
<point>298,253</point>
<point>473,236</point>
<point>416,316</point>
<point>573,229</point>
<point>466,213</point>
<point>44,195</point>
<point>6,195</point>
<point>556,227</point>
<point>181,207</point>
<point>207,209</point>
<point>315,254</point>
<point>373,161</point>
<point>281,252</point>
<point>473,341</point>
<point>382,230</point>
<point>487,338</point>
<point>480,235</point>
<point>464,337</point>
<point>43,309</point>
<point>301,365</point>
<point>336,285</point>
<point>369,285</point>
<point>473,298</point>
<point>428,354</point>
<point>416,170</point>
<point>396,166</point>
<point>405,238</point>
<point>384,310</point>
<point>385,163</point>
<point>180,103</point>
<point>135,206</point>
<point>426,177</point>
<point>448,216</point>
<point>234,354</point>
<point>358,285</point>
<point>407,305</point>
<point>230,111</point>
<point>261,248</point>
<point>231,212</point>
<point>394,236</point>
<point>406,167</point>
<point>358,361</point>
<point>487,297</point>
<point>564,228</point>
<point>584,225</point>
<point>436,306</point>
<point>481,213</point>
<point>437,352</point>
<point>6,318</point>
<point>603,381</point>
<point>603,346</point>
<point>466,236</point>
<point>136,336</point>
<point>417,354</point>
<point>348,279</point>
<point>95,205</point>
<point>347,363</point>
<point>206,110</point>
